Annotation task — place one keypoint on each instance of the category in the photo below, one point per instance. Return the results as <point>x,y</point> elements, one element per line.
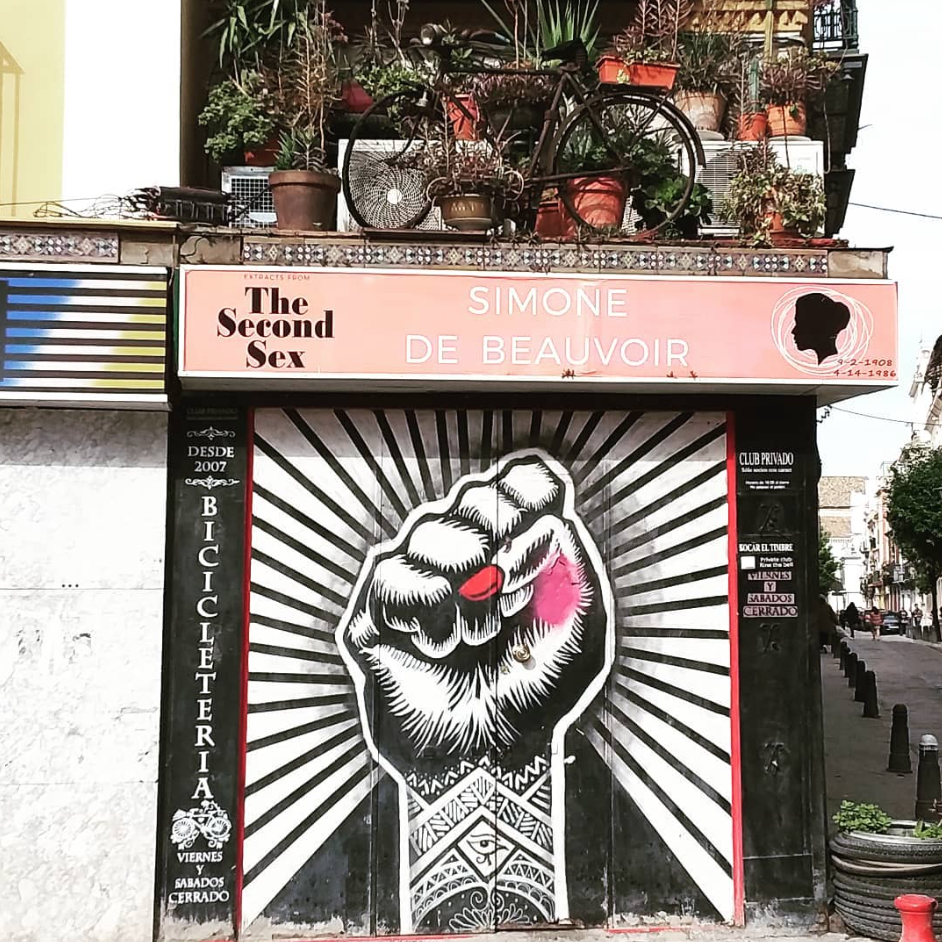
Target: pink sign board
<point>272,327</point>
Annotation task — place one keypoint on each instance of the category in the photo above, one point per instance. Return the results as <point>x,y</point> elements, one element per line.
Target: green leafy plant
<point>381,79</point>
<point>577,19</point>
<point>794,76</point>
<point>914,512</point>
<point>249,31</point>
<point>661,187</point>
<point>827,564</point>
<point>303,88</point>
<point>928,832</point>
<point>652,34</point>
<point>458,168</point>
<point>236,117</point>
<point>857,816</point>
<point>707,60</point>
<point>746,97</point>
<point>763,187</point>
<point>519,87</point>
<point>538,25</point>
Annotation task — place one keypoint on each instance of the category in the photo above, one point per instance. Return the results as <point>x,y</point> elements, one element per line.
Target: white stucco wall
<point>82,498</point>
<point>122,96</point>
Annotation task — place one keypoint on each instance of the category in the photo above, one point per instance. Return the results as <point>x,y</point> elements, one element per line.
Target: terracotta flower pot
<point>752,126</point>
<point>598,201</point>
<point>778,233</point>
<point>304,199</point>
<point>614,71</point>
<point>264,155</point>
<point>704,109</point>
<point>467,212</point>
<point>464,127</point>
<point>553,220</point>
<point>356,99</point>
<point>787,120</point>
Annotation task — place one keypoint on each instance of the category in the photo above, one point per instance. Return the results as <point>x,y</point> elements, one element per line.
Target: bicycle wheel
<point>383,184</point>
<point>639,155</point>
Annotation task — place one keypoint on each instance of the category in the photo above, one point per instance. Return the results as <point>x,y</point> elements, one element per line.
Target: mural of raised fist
<point>474,638</point>
<point>482,624</point>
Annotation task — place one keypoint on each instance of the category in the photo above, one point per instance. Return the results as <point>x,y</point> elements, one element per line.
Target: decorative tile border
<point>19,246</point>
<point>545,257</point>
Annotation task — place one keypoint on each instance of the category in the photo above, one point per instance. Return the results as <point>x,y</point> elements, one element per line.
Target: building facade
<point>350,577</point>
<point>842,515</point>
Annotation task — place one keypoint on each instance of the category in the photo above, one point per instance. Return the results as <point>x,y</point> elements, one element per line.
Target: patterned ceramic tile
<point>538,257</point>
<point>17,245</point>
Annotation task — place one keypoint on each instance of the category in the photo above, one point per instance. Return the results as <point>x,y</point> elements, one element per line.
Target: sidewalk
<point>856,749</point>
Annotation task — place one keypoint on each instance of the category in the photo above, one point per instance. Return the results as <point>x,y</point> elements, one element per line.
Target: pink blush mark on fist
<point>558,591</point>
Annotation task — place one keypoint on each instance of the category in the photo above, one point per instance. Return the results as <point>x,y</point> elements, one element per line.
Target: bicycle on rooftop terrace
<point>588,131</point>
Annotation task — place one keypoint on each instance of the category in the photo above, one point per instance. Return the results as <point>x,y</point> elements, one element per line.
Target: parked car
<point>892,625</point>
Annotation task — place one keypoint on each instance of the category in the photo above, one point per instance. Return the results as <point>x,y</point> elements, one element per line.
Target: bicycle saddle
<point>571,51</point>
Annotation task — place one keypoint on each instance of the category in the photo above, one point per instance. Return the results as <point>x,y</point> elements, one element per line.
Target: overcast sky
<point>899,165</point>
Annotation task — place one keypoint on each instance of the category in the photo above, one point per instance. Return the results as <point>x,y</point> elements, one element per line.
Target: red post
<point>916,912</point>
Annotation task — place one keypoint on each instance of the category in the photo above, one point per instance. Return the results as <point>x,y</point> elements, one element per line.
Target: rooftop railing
<point>835,26</point>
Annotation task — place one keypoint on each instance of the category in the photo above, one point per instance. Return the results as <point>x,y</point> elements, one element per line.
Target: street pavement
<point>857,749</point>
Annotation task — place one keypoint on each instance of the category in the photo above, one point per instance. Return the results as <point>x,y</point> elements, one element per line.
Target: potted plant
<point>512,102</point>
<point>789,80</point>
<point>469,182</point>
<point>706,61</point>
<point>876,858</point>
<point>750,120</point>
<point>238,121</point>
<point>660,189</point>
<point>645,52</point>
<point>540,25</point>
<point>304,189</point>
<point>773,204</point>
<point>598,198</point>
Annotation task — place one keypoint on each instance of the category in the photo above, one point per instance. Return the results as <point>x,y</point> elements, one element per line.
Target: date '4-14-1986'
<point>877,368</point>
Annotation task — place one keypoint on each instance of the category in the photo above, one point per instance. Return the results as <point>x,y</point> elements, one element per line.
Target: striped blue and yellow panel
<point>91,335</point>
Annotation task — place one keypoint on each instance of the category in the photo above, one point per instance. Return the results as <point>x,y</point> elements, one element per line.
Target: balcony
<point>266,101</point>
<point>835,26</point>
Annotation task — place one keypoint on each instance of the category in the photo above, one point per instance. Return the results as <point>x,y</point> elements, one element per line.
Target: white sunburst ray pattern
<point>406,447</point>
<point>307,766</point>
<point>668,641</point>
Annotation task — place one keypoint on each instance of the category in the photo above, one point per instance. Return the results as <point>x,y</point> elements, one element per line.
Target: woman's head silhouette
<point>818,321</point>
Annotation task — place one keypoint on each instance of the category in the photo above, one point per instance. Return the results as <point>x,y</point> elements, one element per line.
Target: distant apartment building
<point>842,515</point>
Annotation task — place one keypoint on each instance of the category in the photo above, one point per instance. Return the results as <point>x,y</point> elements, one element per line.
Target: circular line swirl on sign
<point>853,340</point>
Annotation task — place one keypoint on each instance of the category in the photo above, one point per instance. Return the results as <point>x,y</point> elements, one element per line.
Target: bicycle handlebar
<point>436,36</point>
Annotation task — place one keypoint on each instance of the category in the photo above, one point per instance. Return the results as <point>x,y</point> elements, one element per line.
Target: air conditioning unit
<point>721,165</point>
<point>345,222</point>
<point>250,196</point>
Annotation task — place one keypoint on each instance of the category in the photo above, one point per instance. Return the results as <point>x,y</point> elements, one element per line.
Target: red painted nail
<point>483,584</point>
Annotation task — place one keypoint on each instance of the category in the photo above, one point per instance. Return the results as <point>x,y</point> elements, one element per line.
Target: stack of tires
<point>871,870</point>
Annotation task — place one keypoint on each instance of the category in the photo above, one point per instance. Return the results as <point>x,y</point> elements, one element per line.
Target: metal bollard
<point>835,647</point>
<point>851,670</point>
<point>842,663</point>
<point>916,912</point>
<point>871,708</point>
<point>900,760</point>
<point>859,681</point>
<point>928,784</point>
